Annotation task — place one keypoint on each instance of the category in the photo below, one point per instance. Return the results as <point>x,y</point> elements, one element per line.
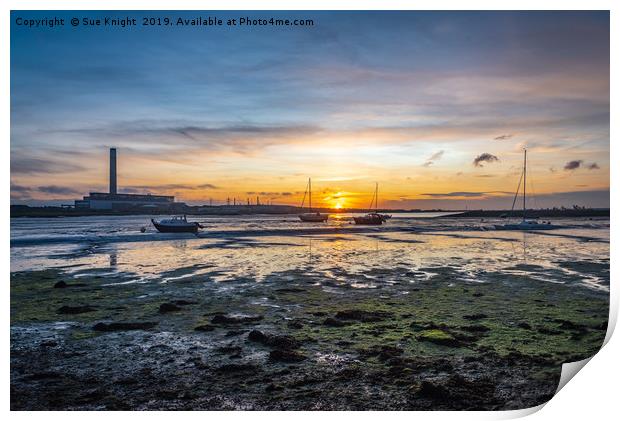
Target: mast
<point>310,193</point>
<point>376,197</point>
<point>524,179</point>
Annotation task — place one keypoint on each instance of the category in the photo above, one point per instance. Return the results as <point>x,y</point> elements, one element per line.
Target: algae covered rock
<point>439,337</point>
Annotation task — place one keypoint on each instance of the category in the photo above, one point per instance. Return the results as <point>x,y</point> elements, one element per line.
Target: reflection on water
<point>578,255</point>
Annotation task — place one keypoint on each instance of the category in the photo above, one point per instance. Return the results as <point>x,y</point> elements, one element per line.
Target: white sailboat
<point>311,216</point>
<point>525,224</point>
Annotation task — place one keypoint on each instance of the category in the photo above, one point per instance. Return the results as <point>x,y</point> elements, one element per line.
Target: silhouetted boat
<point>311,216</point>
<point>176,224</point>
<point>525,224</point>
<point>372,218</point>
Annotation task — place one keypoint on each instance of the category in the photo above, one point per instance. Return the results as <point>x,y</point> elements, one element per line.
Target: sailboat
<point>311,216</point>
<point>525,224</point>
<point>372,218</point>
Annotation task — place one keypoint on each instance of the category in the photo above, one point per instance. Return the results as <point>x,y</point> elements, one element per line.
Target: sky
<point>436,107</point>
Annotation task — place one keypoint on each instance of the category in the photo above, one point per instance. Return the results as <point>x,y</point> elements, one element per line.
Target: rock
<point>223,319</point>
<point>295,324</point>
<point>273,388</point>
<point>433,390</point>
<point>546,331</point>
<point>257,336</point>
<point>121,326</point>
<point>330,321</point>
<point>230,349</point>
<point>286,356</point>
<point>232,368</point>
<point>75,309</point>
<point>384,352</point>
<point>49,343</point>
<point>363,315</point>
<point>387,352</point>
<point>477,316</point>
<point>63,284</point>
<point>439,337</point>
<point>204,328</point>
<point>168,308</point>
<point>475,328</point>
<point>274,341</point>
<point>290,290</point>
<point>477,294</point>
<point>524,325</point>
<point>185,302</point>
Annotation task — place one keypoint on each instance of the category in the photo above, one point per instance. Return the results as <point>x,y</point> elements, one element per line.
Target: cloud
<point>25,192</point>
<point>19,189</point>
<point>503,137</point>
<point>269,193</point>
<point>594,166</point>
<point>57,190</point>
<point>434,157</point>
<point>573,165</point>
<point>173,186</point>
<point>31,165</point>
<point>466,194</point>
<point>484,157</point>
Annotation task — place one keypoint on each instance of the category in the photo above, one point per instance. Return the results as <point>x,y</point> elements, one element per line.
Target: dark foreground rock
<point>286,356</point>
<point>122,326</point>
<point>169,308</point>
<point>75,309</point>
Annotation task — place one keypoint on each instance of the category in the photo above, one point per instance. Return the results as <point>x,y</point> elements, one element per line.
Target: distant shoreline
<point>18,211</point>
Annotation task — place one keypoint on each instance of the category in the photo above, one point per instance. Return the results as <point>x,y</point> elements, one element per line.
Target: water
<point>255,247</point>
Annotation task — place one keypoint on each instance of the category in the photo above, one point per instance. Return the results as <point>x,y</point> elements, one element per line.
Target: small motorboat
<point>311,216</point>
<point>176,224</point>
<point>385,217</point>
<point>369,219</point>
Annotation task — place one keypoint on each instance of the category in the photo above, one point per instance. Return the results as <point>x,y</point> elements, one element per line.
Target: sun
<point>338,206</point>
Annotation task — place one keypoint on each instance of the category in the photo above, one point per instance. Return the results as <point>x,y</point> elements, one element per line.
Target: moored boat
<point>369,219</point>
<point>311,216</point>
<point>372,218</point>
<point>525,224</point>
<point>176,224</point>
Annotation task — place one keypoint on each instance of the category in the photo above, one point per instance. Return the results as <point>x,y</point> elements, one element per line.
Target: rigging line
<point>305,193</point>
<point>514,201</point>
<point>372,201</point>
<point>533,194</point>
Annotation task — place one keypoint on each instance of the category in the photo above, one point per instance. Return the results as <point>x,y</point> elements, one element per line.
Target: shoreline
<point>302,343</point>
<point>18,211</point>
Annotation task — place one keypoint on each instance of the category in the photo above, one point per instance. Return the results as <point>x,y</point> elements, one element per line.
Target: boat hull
<point>365,220</point>
<point>525,227</point>
<point>192,228</point>
<point>313,217</point>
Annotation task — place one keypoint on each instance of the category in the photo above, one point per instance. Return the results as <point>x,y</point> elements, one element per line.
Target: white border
<point>592,395</point>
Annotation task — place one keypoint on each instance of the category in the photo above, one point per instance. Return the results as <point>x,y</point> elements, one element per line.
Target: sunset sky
<point>434,106</point>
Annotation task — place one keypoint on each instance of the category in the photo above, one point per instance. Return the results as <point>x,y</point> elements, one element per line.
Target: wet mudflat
<point>392,322</point>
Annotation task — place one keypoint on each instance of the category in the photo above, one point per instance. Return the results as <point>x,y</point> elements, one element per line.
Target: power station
<point>123,201</point>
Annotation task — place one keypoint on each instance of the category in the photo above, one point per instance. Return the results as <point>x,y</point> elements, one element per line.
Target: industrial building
<point>115,201</point>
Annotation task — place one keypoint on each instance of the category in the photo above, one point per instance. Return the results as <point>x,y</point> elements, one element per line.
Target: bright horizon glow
<point>435,106</point>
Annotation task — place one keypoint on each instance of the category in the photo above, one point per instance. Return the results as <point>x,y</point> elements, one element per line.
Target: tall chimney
<point>112,170</point>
